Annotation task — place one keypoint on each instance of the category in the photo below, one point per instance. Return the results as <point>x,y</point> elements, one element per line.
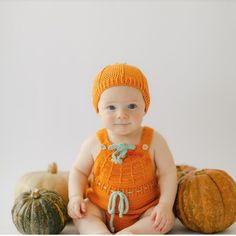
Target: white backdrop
<point>50,52</point>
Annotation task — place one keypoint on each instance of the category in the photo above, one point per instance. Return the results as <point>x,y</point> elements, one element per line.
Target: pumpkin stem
<point>199,171</point>
<point>35,193</point>
<point>52,168</point>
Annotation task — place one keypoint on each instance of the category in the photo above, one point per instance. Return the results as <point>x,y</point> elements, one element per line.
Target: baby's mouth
<point>123,124</point>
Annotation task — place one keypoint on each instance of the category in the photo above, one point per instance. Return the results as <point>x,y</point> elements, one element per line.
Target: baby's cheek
<point>138,118</point>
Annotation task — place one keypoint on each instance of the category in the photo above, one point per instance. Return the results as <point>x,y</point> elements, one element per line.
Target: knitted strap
<point>147,135</point>
<point>123,206</point>
<point>102,136</point>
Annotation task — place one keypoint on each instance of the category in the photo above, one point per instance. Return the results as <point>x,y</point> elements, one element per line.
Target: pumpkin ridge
<point>27,214</point>
<point>16,210</point>
<point>54,204</point>
<point>205,182</point>
<point>190,193</point>
<point>54,200</point>
<point>186,188</point>
<point>46,205</point>
<point>44,209</point>
<point>183,204</point>
<point>61,210</point>
<point>204,179</point>
<point>229,181</point>
<point>35,205</point>
<point>181,190</point>
<point>22,209</point>
<point>221,197</point>
<point>36,214</point>
<point>55,195</point>
<point>215,221</point>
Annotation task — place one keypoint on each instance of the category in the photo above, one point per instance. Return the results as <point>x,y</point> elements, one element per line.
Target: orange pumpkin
<point>206,200</point>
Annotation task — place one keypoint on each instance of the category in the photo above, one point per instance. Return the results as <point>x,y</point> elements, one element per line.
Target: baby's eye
<point>132,106</point>
<point>111,108</point>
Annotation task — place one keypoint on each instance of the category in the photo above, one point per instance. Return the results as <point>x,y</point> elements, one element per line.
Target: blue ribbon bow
<point>121,150</point>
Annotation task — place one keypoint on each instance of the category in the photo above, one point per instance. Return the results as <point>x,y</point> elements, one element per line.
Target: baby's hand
<point>163,218</point>
<point>76,207</point>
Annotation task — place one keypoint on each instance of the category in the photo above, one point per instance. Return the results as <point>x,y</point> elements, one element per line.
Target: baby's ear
<point>98,113</point>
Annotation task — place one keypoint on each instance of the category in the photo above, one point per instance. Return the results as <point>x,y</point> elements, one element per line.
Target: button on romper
<point>124,182</point>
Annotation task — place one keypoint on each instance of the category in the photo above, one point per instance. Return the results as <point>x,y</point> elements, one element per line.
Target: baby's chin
<point>123,129</point>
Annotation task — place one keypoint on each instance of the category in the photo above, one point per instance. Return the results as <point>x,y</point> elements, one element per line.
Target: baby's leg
<point>93,222</point>
<point>145,225</point>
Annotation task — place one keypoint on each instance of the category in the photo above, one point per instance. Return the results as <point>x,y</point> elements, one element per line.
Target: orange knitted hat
<point>120,75</point>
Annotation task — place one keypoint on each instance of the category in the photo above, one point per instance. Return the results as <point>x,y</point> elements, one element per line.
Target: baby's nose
<point>122,113</point>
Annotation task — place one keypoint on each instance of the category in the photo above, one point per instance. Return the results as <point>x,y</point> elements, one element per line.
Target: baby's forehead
<point>121,93</point>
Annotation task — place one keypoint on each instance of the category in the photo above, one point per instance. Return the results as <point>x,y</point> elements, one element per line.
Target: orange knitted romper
<point>124,182</point>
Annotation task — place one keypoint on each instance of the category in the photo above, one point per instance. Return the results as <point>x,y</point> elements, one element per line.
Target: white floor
<point>178,229</point>
<point>70,229</point>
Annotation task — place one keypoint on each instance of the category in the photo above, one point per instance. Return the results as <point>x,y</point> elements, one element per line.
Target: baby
<point>133,176</point>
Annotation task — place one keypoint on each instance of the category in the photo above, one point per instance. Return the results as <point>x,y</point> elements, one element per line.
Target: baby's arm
<point>166,170</point>
<point>78,179</point>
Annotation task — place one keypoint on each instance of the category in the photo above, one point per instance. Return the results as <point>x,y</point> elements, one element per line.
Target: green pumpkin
<point>39,212</point>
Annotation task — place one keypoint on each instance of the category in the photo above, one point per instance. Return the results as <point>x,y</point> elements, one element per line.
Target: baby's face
<point>121,109</point>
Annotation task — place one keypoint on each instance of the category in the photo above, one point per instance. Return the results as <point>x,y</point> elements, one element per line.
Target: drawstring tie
<point>121,150</point>
<point>123,206</point>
